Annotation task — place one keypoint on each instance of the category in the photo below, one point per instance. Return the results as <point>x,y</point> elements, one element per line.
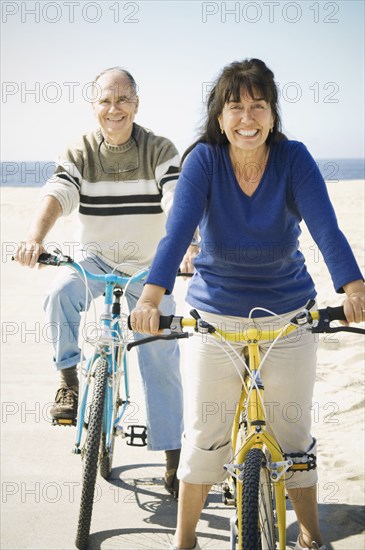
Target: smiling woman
<point>247,124</point>
<point>248,188</point>
<point>248,115</point>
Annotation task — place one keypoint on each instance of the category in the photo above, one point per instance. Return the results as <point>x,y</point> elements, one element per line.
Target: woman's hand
<point>354,304</point>
<point>145,317</point>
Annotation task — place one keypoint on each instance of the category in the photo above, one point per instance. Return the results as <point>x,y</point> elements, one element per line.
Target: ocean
<point>35,173</point>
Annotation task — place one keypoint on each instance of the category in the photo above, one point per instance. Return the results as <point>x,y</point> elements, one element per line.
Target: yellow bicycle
<point>256,474</point>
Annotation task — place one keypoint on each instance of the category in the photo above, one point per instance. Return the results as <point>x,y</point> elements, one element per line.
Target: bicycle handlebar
<point>51,259</point>
<point>176,324</point>
<point>60,259</point>
<point>56,260</point>
<point>333,313</point>
<point>325,316</point>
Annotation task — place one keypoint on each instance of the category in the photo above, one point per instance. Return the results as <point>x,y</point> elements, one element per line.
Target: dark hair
<point>251,75</point>
<point>131,80</point>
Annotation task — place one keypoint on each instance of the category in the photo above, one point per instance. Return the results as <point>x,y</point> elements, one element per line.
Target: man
<point>122,179</point>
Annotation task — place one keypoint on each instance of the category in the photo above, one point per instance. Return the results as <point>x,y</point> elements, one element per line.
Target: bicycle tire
<point>258,524</point>
<point>91,456</point>
<point>106,455</point>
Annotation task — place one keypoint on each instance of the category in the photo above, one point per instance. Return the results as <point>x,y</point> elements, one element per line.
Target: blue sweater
<point>250,252</point>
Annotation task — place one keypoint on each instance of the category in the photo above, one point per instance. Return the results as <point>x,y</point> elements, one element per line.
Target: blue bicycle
<point>104,390</point>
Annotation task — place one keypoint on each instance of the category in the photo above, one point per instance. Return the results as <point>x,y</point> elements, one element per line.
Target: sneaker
<point>196,547</point>
<point>65,405</point>
<point>171,482</point>
<point>172,462</point>
<point>314,546</point>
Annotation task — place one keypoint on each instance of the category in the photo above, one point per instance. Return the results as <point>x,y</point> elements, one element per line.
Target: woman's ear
<point>220,122</point>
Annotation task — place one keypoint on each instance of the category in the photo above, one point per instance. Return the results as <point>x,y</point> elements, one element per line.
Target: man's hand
<point>30,249</point>
<point>28,253</point>
<point>187,264</point>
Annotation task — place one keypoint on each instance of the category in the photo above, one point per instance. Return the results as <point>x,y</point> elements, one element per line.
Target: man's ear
<point>93,106</point>
<point>137,104</point>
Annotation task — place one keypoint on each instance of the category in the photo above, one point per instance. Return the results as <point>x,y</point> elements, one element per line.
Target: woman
<point>248,187</point>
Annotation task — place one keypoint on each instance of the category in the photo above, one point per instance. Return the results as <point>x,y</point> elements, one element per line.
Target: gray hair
<point>131,80</point>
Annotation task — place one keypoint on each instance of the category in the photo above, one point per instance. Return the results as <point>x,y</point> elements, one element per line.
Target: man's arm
<point>45,218</point>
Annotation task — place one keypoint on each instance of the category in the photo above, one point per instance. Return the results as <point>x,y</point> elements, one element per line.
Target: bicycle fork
<point>277,469</point>
<point>258,437</point>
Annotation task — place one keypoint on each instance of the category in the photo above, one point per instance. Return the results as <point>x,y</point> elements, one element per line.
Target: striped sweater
<point>123,194</point>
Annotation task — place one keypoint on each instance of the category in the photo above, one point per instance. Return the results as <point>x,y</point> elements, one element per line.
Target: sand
<point>28,385</point>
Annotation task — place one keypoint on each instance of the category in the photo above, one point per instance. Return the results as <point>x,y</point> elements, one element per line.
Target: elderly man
<point>121,178</point>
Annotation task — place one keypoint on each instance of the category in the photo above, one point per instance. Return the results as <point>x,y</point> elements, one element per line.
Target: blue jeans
<point>159,362</point>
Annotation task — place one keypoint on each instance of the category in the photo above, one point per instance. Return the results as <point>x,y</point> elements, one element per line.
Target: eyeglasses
<point>119,167</point>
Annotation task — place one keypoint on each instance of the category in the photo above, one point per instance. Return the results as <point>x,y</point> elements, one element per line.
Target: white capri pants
<point>212,388</point>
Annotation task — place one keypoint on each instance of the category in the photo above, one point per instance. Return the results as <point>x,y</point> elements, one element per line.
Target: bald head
<point>121,76</point>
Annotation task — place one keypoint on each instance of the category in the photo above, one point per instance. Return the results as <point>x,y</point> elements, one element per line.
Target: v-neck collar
<point>232,173</point>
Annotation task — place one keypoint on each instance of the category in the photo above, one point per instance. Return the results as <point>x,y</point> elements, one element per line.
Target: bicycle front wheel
<point>258,531</point>
<point>91,453</point>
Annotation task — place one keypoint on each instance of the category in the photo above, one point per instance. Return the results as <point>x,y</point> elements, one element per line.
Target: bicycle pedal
<point>64,421</point>
<point>228,497</point>
<point>136,432</point>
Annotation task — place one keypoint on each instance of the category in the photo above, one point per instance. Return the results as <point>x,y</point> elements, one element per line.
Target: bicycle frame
<point>251,401</point>
<point>110,346</point>
<point>255,438</point>
<point>107,365</point>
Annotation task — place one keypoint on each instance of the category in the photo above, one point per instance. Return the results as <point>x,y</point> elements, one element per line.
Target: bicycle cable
<point>88,292</point>
<point>116,268</point>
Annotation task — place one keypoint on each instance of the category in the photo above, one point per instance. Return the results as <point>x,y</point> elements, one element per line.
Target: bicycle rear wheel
<point>113,403</point>
<point>106,454</point>
<point>91,453</point>
<point>258,530</point>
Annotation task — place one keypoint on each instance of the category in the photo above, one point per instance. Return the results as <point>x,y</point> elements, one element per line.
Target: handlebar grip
<point>335,313</point>
<point>48,259</point>
<point>165,322</point>
<point>181,274</point>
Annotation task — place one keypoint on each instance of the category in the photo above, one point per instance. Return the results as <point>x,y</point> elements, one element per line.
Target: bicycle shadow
<point>142,484</point>
<point>157,510</point>
<point>338,522</point>
<point>163,507</point>
<point>147,538</point>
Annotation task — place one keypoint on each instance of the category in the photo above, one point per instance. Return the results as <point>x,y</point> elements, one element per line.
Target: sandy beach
<point>38,471</point>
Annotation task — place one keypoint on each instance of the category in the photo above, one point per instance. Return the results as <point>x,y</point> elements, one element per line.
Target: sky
<point>51,51</point>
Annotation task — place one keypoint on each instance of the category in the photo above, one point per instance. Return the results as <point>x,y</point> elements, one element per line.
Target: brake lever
<point>324,328</point>
<point>171,336</point>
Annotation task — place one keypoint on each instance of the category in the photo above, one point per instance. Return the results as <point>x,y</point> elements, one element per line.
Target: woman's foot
<point>195,547</point>
<point>313,546</point>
